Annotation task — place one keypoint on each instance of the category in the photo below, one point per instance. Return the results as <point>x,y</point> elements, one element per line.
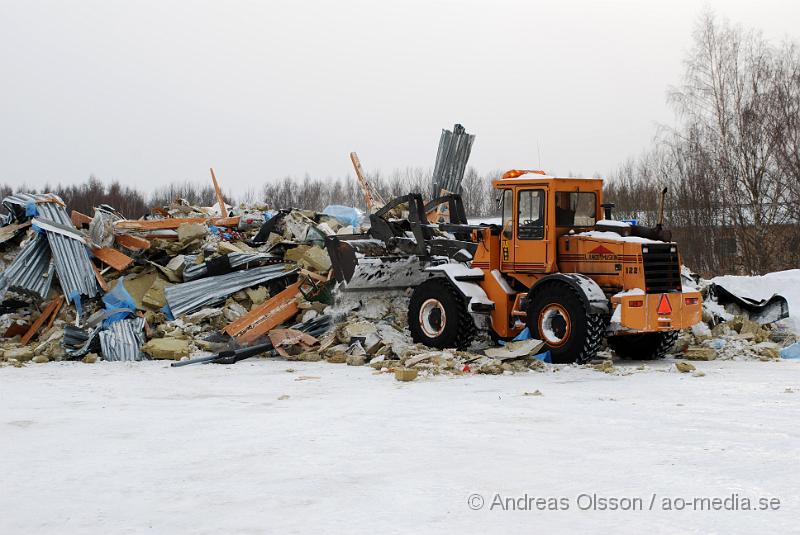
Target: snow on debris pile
<point>785,283</point>
<point>729,332</point>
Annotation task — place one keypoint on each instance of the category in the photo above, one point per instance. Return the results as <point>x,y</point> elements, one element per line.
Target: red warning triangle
<point>600,250</point>
<point>663,305</point>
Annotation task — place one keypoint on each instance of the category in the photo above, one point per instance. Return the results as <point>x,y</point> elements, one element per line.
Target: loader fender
<point>590,292</point>
<point>464,280</point>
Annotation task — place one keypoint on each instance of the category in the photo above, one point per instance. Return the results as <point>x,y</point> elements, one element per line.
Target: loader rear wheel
<point>644,346</point>
<point>558,317</point>
<point>438,316</point>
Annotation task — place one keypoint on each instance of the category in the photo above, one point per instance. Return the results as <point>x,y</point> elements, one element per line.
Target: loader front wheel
<point>644,346</point>
<point>558,317</point>
<point>438,316</point>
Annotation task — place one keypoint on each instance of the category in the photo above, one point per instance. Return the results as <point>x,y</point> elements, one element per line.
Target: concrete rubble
<point>730,331</point>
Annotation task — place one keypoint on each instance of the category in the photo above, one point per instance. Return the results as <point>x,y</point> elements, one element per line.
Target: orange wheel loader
<point>554,265</point>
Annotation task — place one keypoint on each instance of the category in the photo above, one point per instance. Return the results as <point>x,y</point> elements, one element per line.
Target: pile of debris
<point>219,284</point>
<point>198,284</point>
<point>737,328</point>
<point>182,281</point>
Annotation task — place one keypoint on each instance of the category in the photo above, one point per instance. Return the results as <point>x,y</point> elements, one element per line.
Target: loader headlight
<point>645,250</point>
<point>673,249</point>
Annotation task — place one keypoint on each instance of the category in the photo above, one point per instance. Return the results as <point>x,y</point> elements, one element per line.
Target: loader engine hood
<point>621,262</point>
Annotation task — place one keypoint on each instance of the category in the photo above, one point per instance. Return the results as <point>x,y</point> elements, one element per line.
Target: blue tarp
<point>119,300</point>
<point>544,357</point>
<point>791,352</point>
<point>345,214</point>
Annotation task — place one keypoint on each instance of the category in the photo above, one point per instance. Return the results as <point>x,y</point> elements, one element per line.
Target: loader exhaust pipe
<point>607,207</point>
<point>660,224</point>
<point>657,232</point>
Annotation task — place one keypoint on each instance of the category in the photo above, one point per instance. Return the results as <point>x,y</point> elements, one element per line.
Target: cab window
<point>575,209</point>
<point>508,220</point>
<point>530,217</point>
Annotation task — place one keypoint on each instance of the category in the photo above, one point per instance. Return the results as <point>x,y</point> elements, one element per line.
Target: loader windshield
<point>575,209</point>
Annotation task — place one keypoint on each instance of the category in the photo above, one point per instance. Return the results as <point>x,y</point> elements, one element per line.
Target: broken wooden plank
<point>100,280</point>
<point>162,236</point>
<point>54,315</point>
<point>291,341</point>
<point>79,219</point>
<point>174,222</point>
<point>15,329</point>
<point>111,257</point>
<point>259,321</point>
<point>159,211</point>
<point>132,242</point>
<point>315,276</point>
<point>9,231</point>
<point>51,309</point>
<point>223,210</point>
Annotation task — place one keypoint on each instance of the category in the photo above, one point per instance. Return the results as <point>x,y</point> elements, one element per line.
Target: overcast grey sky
<point>153,91</point>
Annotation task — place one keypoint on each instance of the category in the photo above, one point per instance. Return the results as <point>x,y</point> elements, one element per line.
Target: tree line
<point>732,161</point>
<point>308,193</point>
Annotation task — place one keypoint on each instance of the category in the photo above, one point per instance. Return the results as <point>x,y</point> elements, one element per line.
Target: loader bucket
<point>360,262</point>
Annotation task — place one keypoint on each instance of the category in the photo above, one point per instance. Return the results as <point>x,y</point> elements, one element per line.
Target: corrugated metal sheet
<point>192,296</point>
<point>73,265</point>
<point>194,271</point>
<point>451,160</point>
<point>69,256</point>
<point>20,205</point>
<point>123,340</point>
<point>31,272</point>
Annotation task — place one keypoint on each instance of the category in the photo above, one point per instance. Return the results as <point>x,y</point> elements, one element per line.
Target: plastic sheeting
<point>347,215</point>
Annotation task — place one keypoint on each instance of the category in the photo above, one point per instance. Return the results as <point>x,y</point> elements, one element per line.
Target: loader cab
<point>536,210</point>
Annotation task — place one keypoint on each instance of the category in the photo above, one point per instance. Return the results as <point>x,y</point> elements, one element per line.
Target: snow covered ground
<point>258,448</point>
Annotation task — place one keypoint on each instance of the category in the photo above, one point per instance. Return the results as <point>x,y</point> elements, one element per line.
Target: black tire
<point>581,332</point>
<point>644,346</point>
<point>454,328</point>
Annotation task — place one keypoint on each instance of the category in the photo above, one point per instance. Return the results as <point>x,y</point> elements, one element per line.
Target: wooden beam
<point>79,219</point>
<point>371,196</point>
<point>100,280</point>
<point>159,211</point>
<point>112,257</point>
<point>174,222</point>
<point>51,309</point>
<point>54,315</point>
<point>271,313</point>
<point>223,210</point>
<point>9,231</point>
<point>131,242</point>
